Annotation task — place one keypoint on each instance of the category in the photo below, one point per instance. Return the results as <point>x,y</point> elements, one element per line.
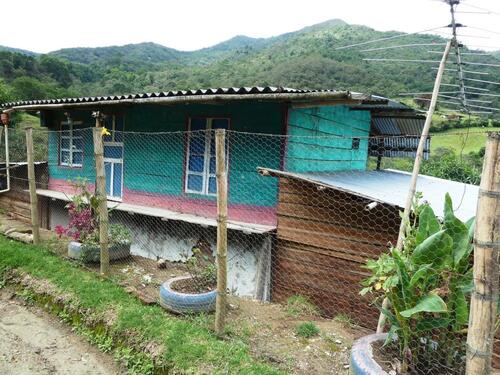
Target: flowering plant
<point>82,210</point>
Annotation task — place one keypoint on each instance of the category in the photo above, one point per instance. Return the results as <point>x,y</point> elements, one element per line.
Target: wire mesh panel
<point>311,219</point>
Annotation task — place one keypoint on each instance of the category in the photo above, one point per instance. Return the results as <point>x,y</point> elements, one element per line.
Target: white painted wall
<point>248,254</point>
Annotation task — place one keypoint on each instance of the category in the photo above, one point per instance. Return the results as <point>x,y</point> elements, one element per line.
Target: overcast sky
<point>44,26</point>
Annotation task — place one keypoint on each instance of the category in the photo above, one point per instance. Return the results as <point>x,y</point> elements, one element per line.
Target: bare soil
<point>34,342</point>
<point>266,327</point>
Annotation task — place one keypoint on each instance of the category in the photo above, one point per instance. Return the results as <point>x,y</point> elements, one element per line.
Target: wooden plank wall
<point>323,239</point>
<point>15,203</point>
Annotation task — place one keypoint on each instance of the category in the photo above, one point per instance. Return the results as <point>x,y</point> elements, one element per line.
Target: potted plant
<point>83,229</point>
<point>195,292</point>
<point>427,285</point>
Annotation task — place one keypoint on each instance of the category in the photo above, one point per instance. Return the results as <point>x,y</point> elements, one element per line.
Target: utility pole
<point>456,45</point>
<point>416,168</point>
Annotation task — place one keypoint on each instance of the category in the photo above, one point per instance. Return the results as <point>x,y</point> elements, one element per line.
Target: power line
<point>388,38</point>
<point>404,60</point>
<point>403,46</point>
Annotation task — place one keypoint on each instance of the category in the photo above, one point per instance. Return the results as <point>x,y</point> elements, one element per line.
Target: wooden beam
<point>32,186</point>
<point>484,298</point>
<point>101,195</point>
<point>220,152</point>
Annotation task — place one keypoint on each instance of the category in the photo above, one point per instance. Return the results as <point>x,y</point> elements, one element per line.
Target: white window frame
<point>114,161</point>
<point>206,175</point>
<point>70,139</point>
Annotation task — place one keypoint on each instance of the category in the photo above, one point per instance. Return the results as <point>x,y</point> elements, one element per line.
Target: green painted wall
<point>66,173</point>
<point>314,146</point>
<point>154,155</point>
<point>155,162</point>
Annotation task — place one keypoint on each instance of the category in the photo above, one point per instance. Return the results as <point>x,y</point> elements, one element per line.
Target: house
<point>160,179</point>
<point>330,224</point>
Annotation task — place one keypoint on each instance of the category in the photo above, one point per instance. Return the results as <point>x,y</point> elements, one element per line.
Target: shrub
<point>427,284</point>
<point>307,330</point>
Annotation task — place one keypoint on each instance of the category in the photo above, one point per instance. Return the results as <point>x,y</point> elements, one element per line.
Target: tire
<point>92,255</point>
<point>74,250</point>
<point>184,303</point>
<point>362,361</point>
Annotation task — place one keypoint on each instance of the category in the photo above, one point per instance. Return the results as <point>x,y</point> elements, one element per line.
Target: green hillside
<point>461,140</point>
<point>306,58</point>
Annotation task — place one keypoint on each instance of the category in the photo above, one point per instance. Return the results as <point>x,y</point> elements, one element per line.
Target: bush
<point>307,330</point>
<point>427,284</point>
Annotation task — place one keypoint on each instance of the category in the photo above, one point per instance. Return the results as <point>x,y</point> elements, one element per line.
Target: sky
<point>44,26</point>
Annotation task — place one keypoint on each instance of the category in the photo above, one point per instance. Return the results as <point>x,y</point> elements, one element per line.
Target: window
<point>355,143</point>
<point>70,145</point>
<point>200,168</point>
<point>113,157</point>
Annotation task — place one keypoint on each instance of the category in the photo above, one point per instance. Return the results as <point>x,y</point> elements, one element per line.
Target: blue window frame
<point>200,160</point>
<point>113,157</point>
<point>70,145</point>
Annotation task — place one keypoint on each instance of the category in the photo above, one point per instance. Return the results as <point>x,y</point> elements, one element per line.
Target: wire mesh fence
<point>312,221</point>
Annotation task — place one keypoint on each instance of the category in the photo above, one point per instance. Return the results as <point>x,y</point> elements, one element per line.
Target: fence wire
<point>312,223</point>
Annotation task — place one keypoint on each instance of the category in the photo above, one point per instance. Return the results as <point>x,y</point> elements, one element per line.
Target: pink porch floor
<point>183,204</point>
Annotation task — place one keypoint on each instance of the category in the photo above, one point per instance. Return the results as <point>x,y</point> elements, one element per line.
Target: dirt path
<point>33,342</point>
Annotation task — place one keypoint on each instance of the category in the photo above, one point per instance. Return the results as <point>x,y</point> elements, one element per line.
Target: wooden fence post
<point>416,168</point>
<point>101,194</point>
<point>220,152</point>
<point>35,225</point>
<point>484,299</point>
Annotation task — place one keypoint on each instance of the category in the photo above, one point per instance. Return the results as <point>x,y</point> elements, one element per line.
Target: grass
<point>189,345</point>
<point>307,330</point>
<point>458,138</point>
<point>300,305</point>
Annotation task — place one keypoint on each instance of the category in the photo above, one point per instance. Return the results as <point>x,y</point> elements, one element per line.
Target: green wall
<point>66,173</point>
<point>154,155</point>
<point>321,139</point>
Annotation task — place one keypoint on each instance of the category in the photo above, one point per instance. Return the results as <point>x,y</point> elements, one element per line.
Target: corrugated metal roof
<point>391,187</point>
<point>398,125</point>
<point>255,90</point>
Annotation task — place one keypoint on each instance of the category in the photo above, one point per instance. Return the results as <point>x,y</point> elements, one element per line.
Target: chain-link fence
<point>312,221</point>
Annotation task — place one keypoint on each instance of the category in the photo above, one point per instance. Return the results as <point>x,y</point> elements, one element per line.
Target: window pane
<point>65,157</point>
<point>212,185</point>
<point>65,143</point>
<point>196,163</point>
<point>77,157</point>
<point>107,171</point>
<point>195,183</point>
<point>118,136</point>
<point>119,122</point>
<point>198,124</point>
<point>114,152</point>
<point>220,123</point>
<point>77,143</point>
<point>117,180</point>
<point>212,164</point>
<point>197,144</point>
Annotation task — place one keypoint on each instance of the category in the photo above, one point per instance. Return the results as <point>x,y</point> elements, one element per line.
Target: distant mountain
<point>308,58</point>
<point>18,50</point>
<point>146,52</point>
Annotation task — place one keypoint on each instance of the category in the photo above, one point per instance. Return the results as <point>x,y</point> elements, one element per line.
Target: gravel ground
<point>33,342</point>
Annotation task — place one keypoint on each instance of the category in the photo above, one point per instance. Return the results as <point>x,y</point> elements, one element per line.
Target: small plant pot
<point>362,361</point>
<point>184,303</point>
<point>92,254</point>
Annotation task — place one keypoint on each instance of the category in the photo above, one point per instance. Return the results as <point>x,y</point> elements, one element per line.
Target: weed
<point>307,330</point>
<point>190,347</point>
<point>345,320</point>
<point>300,305</point>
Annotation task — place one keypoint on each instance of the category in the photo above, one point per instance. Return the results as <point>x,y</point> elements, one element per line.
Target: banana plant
<point>427,284</point>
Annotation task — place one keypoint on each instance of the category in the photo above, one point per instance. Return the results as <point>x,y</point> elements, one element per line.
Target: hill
<point>304,58</point>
